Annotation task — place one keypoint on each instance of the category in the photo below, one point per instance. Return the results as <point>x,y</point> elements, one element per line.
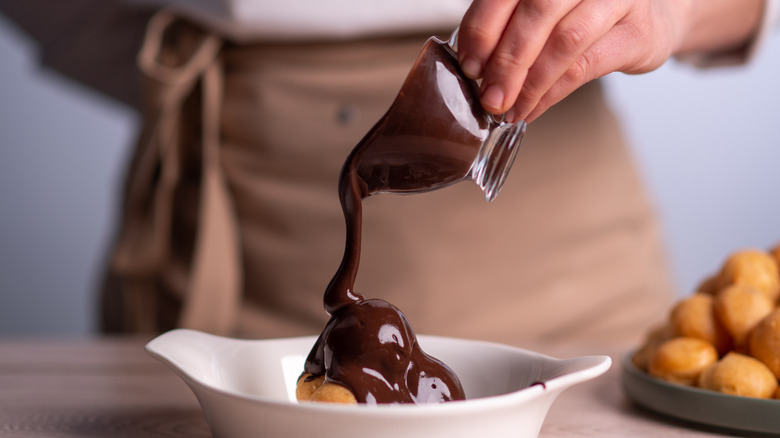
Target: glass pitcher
<point>436,133</point>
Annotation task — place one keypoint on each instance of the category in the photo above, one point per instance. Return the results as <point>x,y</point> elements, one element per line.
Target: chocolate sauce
<point>428,139</point>
<point>370,347</point>
<point>434,134</point>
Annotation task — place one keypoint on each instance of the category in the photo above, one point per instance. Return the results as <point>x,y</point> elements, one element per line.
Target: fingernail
<point>493,98</point>
<point>510,115</point>
<point>471,67</point>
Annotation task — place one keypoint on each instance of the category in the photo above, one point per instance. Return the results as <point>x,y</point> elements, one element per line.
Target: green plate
<point>699,405</point>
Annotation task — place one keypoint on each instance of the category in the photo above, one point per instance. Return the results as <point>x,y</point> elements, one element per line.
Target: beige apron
<point>232,222</point>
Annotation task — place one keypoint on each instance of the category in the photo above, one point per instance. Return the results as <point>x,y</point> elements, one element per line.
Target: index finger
<point>523,34</point>
<point>480,31</point>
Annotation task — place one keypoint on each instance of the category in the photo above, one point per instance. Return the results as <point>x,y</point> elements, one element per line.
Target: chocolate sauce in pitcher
<point>435,134</point>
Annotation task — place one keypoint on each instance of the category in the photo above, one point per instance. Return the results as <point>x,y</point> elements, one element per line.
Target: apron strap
<point>214,295</point>
<point>171,73</point>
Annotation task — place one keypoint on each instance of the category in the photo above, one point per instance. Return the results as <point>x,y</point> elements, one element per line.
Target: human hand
<point>531,54</point>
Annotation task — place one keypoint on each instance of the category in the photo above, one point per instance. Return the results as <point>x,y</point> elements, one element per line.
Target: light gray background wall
<point>707,142</point>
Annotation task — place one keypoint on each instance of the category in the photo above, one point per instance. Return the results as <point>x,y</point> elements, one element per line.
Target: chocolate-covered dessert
<point>369,347</point>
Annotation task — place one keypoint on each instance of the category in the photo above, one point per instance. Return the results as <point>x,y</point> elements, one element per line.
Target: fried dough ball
<point>333,393</point>
<point>307,385</point>
<point>752,267</point>
<point>654,339</point>
<point>775,252</point>
<point>738,374</point>
<point>681,360</point>
<point>710,285</point>
<point>765,342</point>
<point>317,390</point>
<point>694,317</point>
<point>739,308</point>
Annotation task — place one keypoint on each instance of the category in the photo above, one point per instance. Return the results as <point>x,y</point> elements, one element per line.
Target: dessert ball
<point>738,374</point>
<point>739,308</point>
<point>694,317</point>
<point>765,342</point>
<point>369,348</point>
<point>775,252</point>
<point>306,386</point>
<point>710,285</point>
<point>681,360</point>
<point>314,388</point>
<point>654,339</point>
<point>333,393</point>
<point>752,267</point>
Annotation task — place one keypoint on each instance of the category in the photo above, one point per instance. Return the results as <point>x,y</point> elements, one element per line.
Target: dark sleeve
<point>93,42</point>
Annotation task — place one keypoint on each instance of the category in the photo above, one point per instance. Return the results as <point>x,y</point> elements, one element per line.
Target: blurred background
<point>707,142</point>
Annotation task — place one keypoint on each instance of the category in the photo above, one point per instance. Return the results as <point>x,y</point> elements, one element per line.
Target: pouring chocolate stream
<point>434,134</point>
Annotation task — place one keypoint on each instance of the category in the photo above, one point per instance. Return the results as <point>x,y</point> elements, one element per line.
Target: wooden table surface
<point>109,387</point>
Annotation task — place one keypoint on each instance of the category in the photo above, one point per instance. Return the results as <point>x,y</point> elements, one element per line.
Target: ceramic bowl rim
<point>599,365</point>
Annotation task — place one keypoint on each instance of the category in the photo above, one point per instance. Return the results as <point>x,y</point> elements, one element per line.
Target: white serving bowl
<point>246,388</point>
